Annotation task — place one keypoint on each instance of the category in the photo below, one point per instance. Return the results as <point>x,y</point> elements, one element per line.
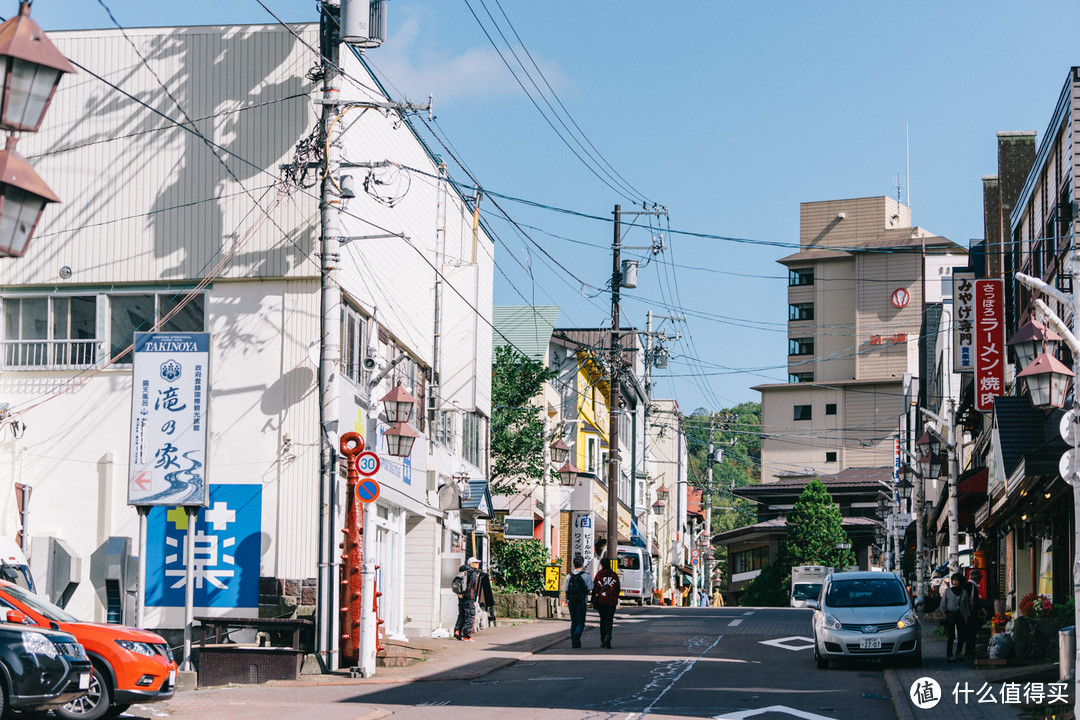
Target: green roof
<point>526,327</point>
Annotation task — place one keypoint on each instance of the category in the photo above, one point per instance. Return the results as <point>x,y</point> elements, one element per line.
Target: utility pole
<point>613,403</point>
<point>330,347</point>
<point>618,279</point>
<point>708,507</point>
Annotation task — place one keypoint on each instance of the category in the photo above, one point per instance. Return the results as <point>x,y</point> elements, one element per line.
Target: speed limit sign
<point>367,463</point>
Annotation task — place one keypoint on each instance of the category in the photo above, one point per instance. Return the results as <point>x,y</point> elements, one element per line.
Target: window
<point>129,314</point>
<point>590,455</point>
<point>354,344</point>
<point>830,456</point>
<point>803,412</point>
<point>801,311</point>
<point>803,377</point>
<point>749,560</point>
<point>445,427</point>
<point>800,346</point>
<point>800,276</point>
<point>830,408</point>
<point>53,332</point>
<point>472,439</point>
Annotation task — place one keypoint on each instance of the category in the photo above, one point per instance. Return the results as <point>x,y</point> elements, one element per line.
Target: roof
<point>526,327</point>
<point>850,479</point>
<point>778,526</point>
<point>477,499</point>
<point>1021,428</point>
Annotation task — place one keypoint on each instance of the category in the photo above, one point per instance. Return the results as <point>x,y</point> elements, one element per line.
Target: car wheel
<point>822,663</point>
<point>94,704</point>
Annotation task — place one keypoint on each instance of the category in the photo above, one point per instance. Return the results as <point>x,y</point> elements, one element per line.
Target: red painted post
<point>352,557</point>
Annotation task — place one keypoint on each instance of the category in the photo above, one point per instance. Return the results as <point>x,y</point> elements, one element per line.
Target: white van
<point>636,574</point>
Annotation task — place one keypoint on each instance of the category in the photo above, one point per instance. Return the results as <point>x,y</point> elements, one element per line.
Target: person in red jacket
<point>605,598</point>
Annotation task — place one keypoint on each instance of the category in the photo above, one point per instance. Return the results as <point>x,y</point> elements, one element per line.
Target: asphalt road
<point>664,663</point>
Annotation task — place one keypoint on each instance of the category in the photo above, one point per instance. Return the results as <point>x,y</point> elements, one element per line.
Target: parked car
<point>865,615</point>
<point>635,574</point>
<point>41,668</point>
<point>129,665</point>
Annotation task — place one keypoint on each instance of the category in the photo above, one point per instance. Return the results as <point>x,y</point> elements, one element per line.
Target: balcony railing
<point>48,354</point>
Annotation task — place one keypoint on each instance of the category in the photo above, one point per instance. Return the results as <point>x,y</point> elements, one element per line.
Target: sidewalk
<point>959,676</point>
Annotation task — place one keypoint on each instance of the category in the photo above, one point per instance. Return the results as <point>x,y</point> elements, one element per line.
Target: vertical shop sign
<point>964,321</point>
<point>170,393</point>
<point>989,343</point>
<point>583,539</point>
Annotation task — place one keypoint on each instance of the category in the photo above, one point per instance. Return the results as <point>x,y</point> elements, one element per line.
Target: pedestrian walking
<point>576,588</point>
<point>605,598</point>
<point>466,585</point>
<point>703,598</point>
<point>977,616</point>
<point>717,598</point>
<point>956,604</point>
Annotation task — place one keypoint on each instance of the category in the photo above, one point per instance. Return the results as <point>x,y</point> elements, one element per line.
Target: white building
<point>167,152</point>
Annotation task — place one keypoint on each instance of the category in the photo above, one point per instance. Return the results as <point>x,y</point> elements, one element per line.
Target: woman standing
<point>605,598</point>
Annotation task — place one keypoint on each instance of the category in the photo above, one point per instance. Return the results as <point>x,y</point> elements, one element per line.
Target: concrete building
<point>168,153</point>
<point>856,293</point>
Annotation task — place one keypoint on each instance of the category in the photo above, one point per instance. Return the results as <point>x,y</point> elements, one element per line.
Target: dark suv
<point>40,668</point>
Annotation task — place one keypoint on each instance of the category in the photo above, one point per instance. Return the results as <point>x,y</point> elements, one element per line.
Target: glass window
<point>803,412</point>
<point>801,346</point>
<point>801,311</point>
<point>129,314</point>
<point>800,276</point>
<point>66,327</point>
<point>803,377</point>
<point>830,408</point>
<point>865,593</point>
<point>629,561</point>
<point>830,456</point>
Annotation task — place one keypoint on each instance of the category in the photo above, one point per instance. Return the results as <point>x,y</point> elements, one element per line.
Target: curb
<point>899,696</point>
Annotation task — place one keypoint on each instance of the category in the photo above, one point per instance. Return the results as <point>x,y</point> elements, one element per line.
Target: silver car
<point>865,616</point>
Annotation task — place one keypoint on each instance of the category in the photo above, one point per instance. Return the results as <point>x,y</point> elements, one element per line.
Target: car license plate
<point>870,643</point>
<point>172,678</point>
<point>84,681</point>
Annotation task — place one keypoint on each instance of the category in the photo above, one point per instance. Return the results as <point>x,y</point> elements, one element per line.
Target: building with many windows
<point>856,292</point>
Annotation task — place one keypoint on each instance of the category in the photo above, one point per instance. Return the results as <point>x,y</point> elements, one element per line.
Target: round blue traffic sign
<point>367,490</point>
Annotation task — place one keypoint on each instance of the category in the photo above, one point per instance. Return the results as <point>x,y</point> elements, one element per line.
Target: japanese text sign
<point>225,559</point>
<point>170,393</point>
<point>989,343</point>
<point>582,537</point>
<point>964,321</point>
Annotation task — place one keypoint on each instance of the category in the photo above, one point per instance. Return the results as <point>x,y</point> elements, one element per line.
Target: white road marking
<point>795,643</point>
<point>733,623</point>
<point>664,672</point>
<point>783,709</point>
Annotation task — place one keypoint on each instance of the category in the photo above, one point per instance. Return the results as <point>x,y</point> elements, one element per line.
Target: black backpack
<point>576,589</point>
<point>459,583</point>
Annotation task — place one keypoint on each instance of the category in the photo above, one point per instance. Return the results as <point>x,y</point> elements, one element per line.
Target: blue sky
<point>730,114</point>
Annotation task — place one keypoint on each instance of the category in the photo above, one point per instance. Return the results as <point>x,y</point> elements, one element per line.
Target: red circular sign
<point>900,298</point>
<point>367,490</point>
<point>367,463</point>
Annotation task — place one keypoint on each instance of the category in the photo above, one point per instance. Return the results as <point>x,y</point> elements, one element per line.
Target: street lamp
<point>1047,381</point>
<point>568,474</point>
<point>930,465</point>
<point>560,451</point>
<point>904,487</point>
<point>398,404</point>
<point>1031,341</point>
<point>32,69</point>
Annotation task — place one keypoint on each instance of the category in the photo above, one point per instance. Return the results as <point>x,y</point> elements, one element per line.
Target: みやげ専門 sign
<point>170,391</point>
<point>964,324</point>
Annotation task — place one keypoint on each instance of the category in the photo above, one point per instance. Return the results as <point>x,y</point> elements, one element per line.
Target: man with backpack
<point>577,587</point>
<point>605,598</point>
<point>466,585</point>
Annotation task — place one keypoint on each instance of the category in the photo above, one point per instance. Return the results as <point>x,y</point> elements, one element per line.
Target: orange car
<point>130,665</point>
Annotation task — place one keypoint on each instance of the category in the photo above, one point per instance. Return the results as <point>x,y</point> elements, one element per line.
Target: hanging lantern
<point>1032,340</point>
<point>398,404</point>
<point>1047,381</point>
<point>32,70</point>
<point>568,474</point>
<point>930,466</point>
<point>399,439</point>
<point>560,451</point>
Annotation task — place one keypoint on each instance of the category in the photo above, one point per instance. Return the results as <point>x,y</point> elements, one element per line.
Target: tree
<point>518,565</point>
<point>815,531</point>
<point>770,588</point>
<point>517,427</point>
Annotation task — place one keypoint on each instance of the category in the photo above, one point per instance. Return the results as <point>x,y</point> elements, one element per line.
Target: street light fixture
<point>1047,381</point>
<point>398,404</point>
<point>904,487</point>
<point>32,70</point>
<point>1031,341</point>
<point>560,451</point>
<point>568,474</point>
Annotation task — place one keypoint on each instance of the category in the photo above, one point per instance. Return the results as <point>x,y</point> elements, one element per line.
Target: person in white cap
<point>466,585</point>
